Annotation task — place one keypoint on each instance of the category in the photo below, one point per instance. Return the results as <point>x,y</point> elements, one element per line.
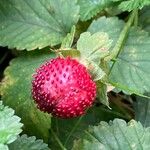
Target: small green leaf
<point>94,46</point>
<point>68,40</point>
<point>102,93</point>
<point>142,110</point>
<point>10,125</point>
<point>28,143</point>
<point>90,8</point>
<point>117,135</point>
<point>16,92</point>
<point>130,5</point>
<point>31,24</point>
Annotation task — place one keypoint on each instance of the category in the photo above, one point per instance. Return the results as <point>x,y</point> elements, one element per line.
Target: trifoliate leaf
<point>142,110</point>
<point>10,125</point>
<point>94,46</point>
<point>90,8</point>
<point>3,147</point>
<point>28,143</point>
<point>68,40</point>
<point>130,5</point>
<point>16,92</point>
<point>31,24</point>
<point>131,68</point>
<point>117,135</point>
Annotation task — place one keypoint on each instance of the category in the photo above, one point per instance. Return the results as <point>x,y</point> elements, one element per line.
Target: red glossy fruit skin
<point>63,87</point>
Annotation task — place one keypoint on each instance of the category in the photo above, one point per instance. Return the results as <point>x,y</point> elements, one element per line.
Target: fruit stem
<point>58,140</point>
<point>118,47</point>
<point>73,129</point>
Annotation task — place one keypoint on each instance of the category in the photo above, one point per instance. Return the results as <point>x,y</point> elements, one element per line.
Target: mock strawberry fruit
<point>63,87</point>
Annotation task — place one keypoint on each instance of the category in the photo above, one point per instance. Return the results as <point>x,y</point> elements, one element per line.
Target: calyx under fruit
<point>63,87</point>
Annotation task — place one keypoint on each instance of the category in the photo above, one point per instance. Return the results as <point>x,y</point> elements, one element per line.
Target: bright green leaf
<point>130,5</point>
<point>142,110</point>
<point>90,8</point>
<point>28,143</point>
<point>117,135</point>
<point>3,147</point>
<point>110,26</point>
<point>10,125</point>
<point>31,24</point>
<point>94,46</point>
<point>131,69</point>
<point>16,92</point>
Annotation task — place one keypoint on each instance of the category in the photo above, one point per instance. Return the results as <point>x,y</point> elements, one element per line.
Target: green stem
<point>73,129</point>
<point>118,47</point>
<point>136,18</point>
<point>57,139</point>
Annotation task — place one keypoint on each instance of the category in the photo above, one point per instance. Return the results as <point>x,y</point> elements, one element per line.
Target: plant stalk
<point>73,129</point>
<point>58,140</point>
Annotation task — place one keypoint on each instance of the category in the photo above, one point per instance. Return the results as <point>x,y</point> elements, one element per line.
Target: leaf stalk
<point>121,40</point>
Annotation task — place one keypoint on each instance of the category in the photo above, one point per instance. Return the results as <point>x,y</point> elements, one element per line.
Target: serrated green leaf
<point>131,69</point>
<point>111,26</point>
<point>28,143</point>
<point>135,59</point>
<point>3,147</point>
<point>130,5</point>
<point>90,8</point>
<point>10,125</point>
<point>31,24</point>
<point>94,46</point>
<point>16,92</point>
<point>68,40</point>
<point>142,110</point>
<point>117,135</point>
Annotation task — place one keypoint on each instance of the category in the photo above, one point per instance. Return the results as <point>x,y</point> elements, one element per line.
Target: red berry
<point>63,87</point>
